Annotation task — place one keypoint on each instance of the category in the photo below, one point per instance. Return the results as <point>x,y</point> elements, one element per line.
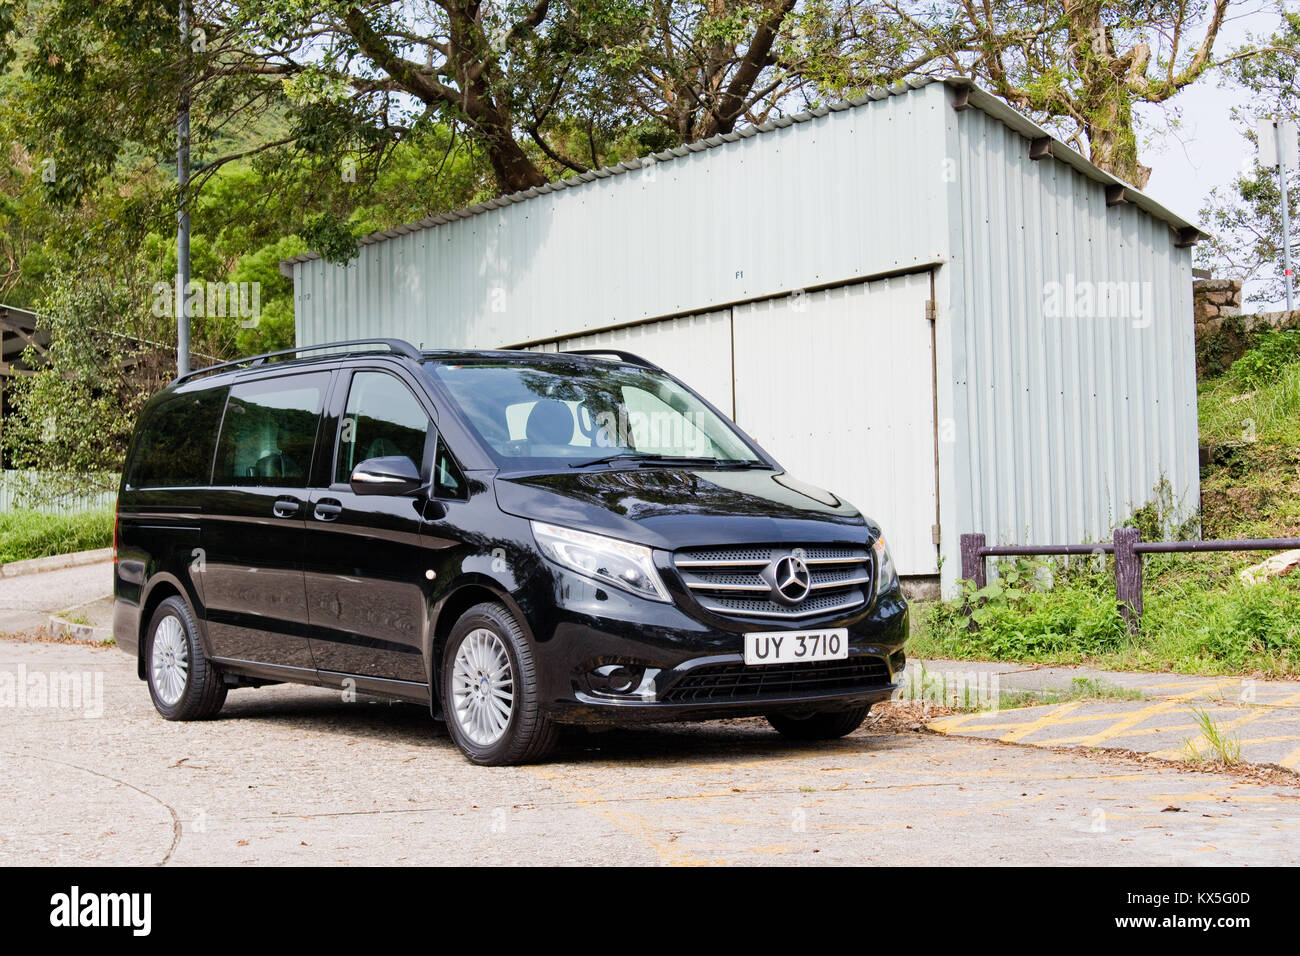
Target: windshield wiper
<point>655,458</point>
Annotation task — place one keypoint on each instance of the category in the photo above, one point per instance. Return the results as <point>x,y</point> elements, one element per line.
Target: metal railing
<point>1128,548</point>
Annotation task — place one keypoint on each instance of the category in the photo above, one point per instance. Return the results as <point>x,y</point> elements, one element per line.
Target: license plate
<point>789,647</point>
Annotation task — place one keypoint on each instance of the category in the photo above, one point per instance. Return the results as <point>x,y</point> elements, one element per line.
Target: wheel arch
<point>160,587</point>
<point>476,589</point>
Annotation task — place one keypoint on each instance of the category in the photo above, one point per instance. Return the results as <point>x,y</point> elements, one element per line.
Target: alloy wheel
<point>483,687</point>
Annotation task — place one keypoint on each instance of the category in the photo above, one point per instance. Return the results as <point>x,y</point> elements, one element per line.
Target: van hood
<point>672,508</point>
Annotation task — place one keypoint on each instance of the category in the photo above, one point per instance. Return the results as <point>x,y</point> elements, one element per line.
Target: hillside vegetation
<point>1198,617</point>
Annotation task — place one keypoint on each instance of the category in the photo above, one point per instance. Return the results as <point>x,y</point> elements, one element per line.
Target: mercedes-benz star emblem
<point>790,579</point>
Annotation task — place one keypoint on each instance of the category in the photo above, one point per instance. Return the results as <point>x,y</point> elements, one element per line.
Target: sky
<point>1203,149</point>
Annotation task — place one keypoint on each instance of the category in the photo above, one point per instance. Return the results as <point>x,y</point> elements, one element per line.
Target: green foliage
<point>1269,414</point>
<point>1244,218</point>
<point>1219,746</point>
<point>1020,619</point>
<point>331,237</point>
<point>274,327</point>
<point>1160,519</point>
<point>1250,485</point>
<point>77,412</point>
<point>1187,625</point>
<point>1275,352</point>
<point>38,534</point>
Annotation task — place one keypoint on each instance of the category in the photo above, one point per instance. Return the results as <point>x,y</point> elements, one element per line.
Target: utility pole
<point>1278,148</point>
<point>182,209</point>
<point>1286,210</point>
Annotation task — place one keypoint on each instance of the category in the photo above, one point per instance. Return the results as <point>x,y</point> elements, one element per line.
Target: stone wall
<point>1223,334</point>
<point>1215,298</point>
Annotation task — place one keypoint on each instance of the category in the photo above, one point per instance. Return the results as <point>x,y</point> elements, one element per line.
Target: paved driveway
<point>27,601</point>
<point>296,775</point>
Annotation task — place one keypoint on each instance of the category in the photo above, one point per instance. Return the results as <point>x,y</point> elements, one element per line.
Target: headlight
<point>886,573</point>
<point>619,563</point>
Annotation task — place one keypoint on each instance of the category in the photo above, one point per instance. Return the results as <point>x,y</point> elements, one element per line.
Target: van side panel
<point>165,481</point>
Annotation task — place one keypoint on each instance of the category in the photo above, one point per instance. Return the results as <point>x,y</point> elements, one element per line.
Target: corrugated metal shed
<point>1062,422</point>
<point>1047,427</point>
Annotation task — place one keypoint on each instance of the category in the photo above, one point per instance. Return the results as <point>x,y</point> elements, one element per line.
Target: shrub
<point>1265,363</point>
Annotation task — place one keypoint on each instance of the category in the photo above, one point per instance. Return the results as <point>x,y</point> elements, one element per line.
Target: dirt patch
<point>903,716</point>
<point>44,635</point>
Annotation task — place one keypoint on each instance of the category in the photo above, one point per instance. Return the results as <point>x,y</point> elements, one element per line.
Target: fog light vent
<point>617,679</point>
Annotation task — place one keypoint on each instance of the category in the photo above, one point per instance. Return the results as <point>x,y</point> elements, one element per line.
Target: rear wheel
<point>490,690</point>
<point>822,725</point>
<point>182,682</point>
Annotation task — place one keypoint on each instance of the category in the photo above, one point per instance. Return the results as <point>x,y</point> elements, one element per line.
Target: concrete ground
<point>26,602</point>
<point>1258,719</point>
<point>296,775</point>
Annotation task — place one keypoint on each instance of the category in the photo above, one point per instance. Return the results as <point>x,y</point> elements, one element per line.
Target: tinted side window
<point>175,446</point>
<point>269,431</point>
<point>448,480</point>
<point>382,418</point>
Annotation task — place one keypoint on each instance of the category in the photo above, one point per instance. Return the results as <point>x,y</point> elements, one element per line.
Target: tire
<point>182,681</point>
<point>822,725</point>
<point>490,696</point>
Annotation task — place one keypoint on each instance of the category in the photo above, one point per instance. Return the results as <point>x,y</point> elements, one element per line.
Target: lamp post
<point>182,209</point>
<point>1278,149</point>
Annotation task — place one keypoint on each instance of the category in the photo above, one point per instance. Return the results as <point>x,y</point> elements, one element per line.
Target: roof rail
<point>630,357</point>
<point>394,346</point>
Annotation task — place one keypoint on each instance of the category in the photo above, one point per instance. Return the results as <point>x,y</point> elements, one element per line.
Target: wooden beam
<point>1187,236</point>
<point>1116,194</point>
<point>961,98</point>
<point>1040,147</point>
<point>22,334</point>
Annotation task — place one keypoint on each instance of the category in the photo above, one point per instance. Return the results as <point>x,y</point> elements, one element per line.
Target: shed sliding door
<point>838,385</point>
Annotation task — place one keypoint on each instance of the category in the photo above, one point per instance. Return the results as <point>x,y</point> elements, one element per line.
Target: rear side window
<point>269,431</point>
<point>174,449</point>
<point>383,418</point>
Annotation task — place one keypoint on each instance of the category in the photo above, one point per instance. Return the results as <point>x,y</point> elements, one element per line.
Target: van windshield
<point>557,412</point>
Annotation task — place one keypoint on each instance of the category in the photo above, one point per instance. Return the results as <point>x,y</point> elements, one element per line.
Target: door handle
<point>327,509</point>
<point>286,507</point>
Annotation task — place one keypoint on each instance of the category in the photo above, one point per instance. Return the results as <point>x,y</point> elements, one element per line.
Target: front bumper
<point>692,668</point>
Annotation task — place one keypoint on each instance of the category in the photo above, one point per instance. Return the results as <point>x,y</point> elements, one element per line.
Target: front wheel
<point>822,725</point>
<point>489,690</point>
<point>182,682</point>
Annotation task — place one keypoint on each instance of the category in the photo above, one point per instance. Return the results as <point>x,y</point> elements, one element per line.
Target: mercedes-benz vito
<point>518,540</point>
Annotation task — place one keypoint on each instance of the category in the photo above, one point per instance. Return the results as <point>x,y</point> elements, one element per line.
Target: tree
<point>1079,65</point>
<point>539,86</point>
<point>1245,216</point>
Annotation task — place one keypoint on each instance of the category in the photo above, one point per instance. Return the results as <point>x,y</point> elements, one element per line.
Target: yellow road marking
<point>1292,760</point>
<point>1136,717</point>
<point>629,823</point>
<point>1199,744</point>
<point>1046,720</point>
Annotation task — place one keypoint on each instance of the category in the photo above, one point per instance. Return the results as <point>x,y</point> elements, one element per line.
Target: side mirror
<point>394,475</point>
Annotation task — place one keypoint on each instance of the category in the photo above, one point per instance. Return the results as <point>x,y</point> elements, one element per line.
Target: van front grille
<point>739,581</point>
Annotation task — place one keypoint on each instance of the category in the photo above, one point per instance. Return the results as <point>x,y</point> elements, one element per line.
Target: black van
<point>518,540</point>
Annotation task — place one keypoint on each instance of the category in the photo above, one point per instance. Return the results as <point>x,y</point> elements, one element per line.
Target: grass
<point>1222,748</point>
<point>1198,619</point>
<point>1081,688</point>
<point>36,534</point>
<point>1268,414</point>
